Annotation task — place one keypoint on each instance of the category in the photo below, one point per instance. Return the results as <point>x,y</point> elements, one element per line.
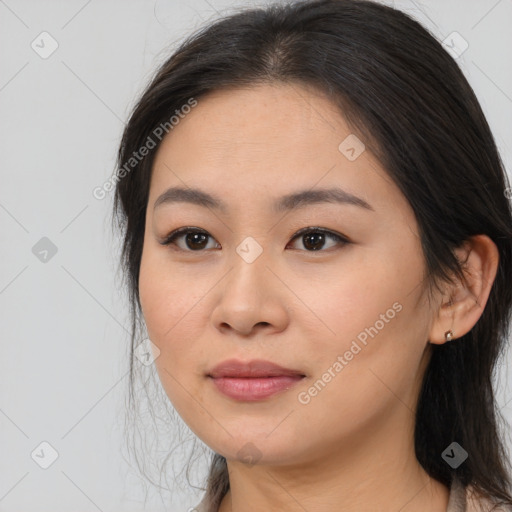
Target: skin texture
<point>352,443</point>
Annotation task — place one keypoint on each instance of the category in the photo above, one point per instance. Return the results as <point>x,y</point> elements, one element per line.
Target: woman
<point>318,237</point>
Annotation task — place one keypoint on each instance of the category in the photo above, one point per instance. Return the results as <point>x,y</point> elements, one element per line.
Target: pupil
<point>316,239</point>
<point>195,238</point>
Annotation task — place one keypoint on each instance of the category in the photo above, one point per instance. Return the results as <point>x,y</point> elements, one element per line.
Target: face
<point>331,289</point>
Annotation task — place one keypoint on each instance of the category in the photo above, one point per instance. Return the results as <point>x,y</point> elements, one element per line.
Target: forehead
<point>267,140</point>
<point>278,120</point>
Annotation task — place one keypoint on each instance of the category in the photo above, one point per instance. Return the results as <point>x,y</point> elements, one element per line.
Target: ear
<point>464,302</point>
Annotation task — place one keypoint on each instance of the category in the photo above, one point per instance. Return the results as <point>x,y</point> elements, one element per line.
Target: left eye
<point>195,239</point>
<point>317,236</point>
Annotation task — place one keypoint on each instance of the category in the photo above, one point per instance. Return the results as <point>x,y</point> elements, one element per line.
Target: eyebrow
<point>288,202</point>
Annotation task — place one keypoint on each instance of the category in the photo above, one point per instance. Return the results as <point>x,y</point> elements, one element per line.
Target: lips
<point>257,368</point>
<point>253,380</point>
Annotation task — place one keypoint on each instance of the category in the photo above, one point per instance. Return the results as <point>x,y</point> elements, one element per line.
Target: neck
<point>362,475</point>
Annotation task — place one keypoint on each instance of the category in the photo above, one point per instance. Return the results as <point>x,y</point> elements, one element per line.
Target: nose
<point>251,298</point>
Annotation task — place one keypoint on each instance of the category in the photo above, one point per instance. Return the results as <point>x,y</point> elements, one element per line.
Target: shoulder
<point>477,503</point>
<point>467,499</point>
<point>200,507</point>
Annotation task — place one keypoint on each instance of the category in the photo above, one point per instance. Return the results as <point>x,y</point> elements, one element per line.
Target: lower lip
<point>252,389</point>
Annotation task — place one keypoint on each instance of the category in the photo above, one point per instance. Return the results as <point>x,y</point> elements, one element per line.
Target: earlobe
<point>464,302</point>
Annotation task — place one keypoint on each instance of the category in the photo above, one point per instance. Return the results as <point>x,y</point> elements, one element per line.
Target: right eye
<point>195,239</point>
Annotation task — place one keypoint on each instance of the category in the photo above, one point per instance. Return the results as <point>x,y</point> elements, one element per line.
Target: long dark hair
<point>407,99</point>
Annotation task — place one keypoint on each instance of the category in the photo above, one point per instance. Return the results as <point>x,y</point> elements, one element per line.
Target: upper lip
<point>254,368</point>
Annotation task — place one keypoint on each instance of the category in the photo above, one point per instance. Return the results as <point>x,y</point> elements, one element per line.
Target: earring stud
<point>448,335</point>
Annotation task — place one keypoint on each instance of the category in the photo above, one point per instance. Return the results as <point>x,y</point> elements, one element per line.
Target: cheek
<point>151,293</point>
<point>353,297</point>
<point>163,296</point>
<point>173,310</point>
<point>371,311</point>
<point>167,307</point>
<point>371,364</point>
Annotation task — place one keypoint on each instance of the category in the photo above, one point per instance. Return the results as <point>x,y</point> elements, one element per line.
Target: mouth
<point>253,380</point>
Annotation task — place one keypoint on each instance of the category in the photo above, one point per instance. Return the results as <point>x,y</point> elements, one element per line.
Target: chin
<point>252,447</point>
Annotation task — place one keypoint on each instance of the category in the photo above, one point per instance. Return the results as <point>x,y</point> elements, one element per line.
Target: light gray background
<point>64,323</point>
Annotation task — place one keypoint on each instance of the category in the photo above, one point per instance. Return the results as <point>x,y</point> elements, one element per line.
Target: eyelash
<point>170,239</point>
